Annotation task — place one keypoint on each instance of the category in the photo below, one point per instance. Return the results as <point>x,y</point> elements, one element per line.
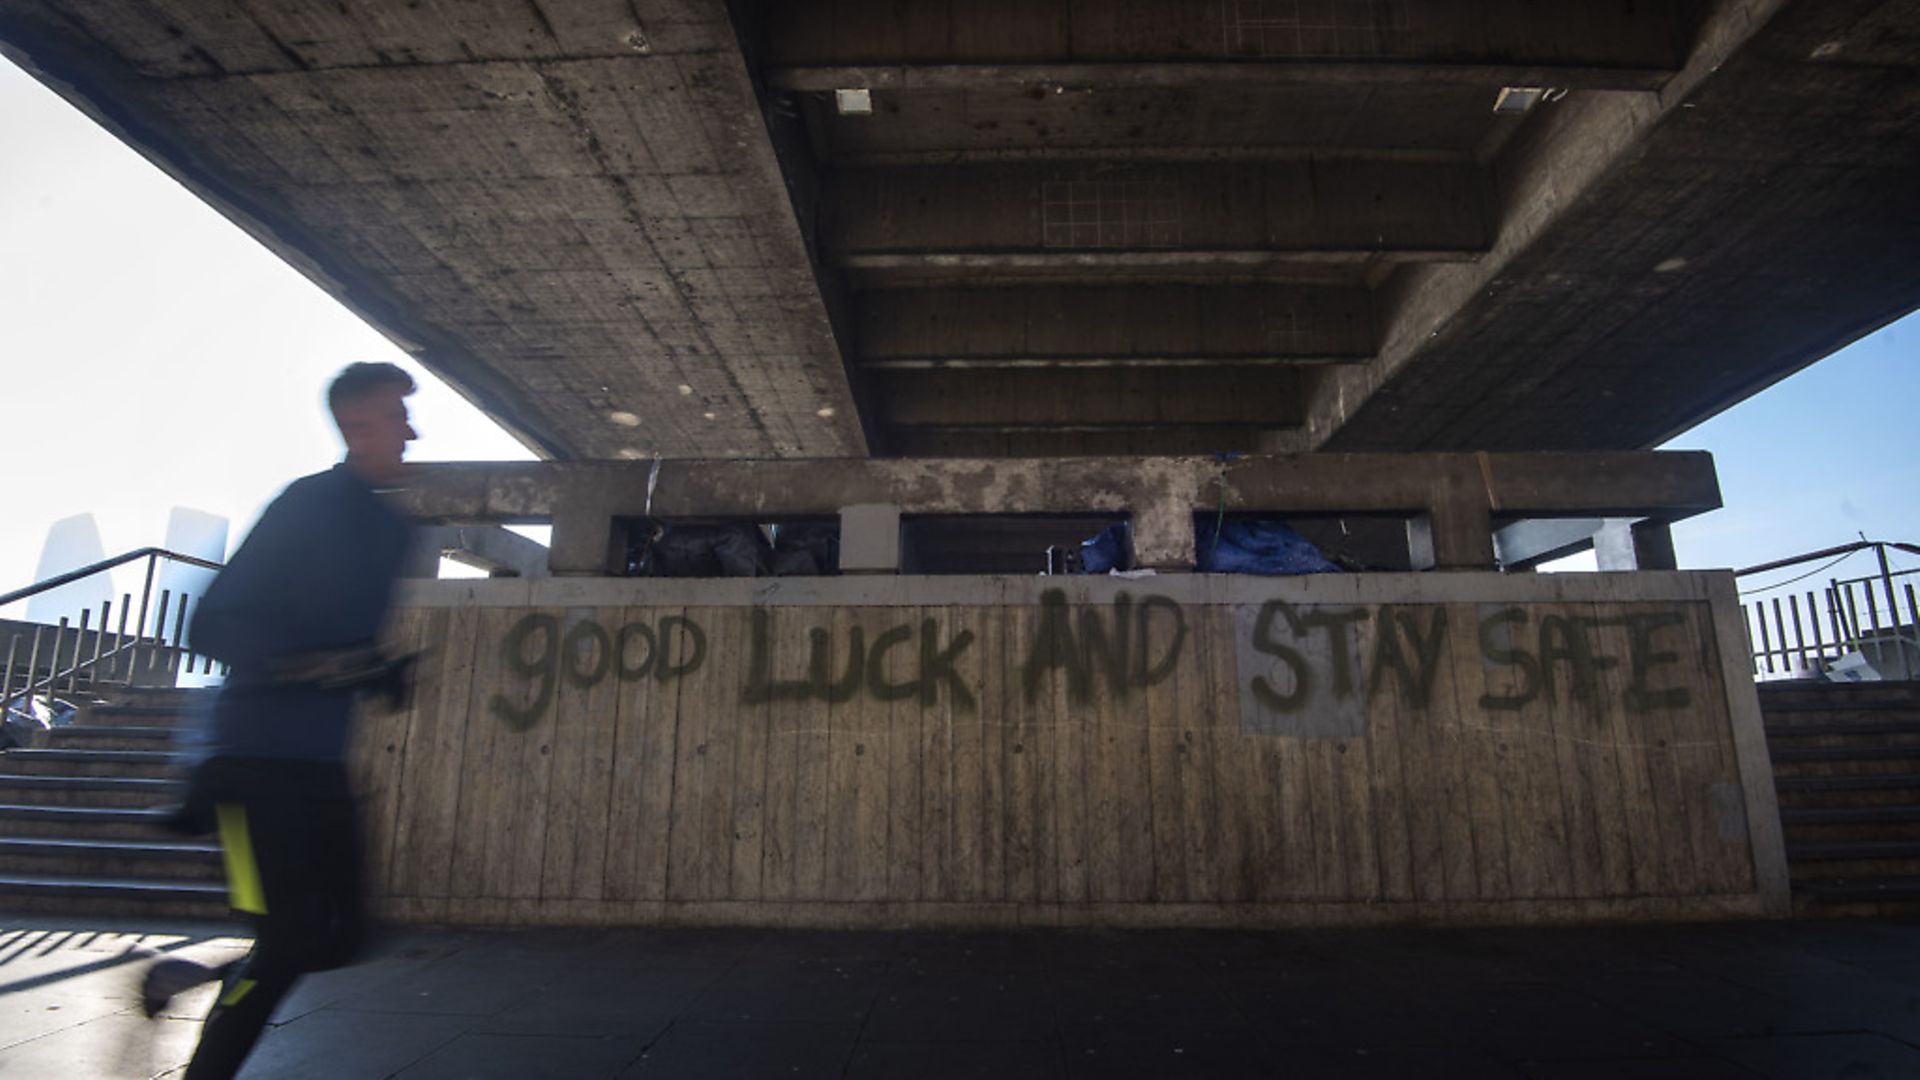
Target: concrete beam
<point>1367,42</point>
<point>1668,485</point>
<point>1448,498</point>
<point>499,552</point>
<point>1112,326</point>
<point>1190,213</point>
<point>1224,76</point>
<point>1160,440</point>
<point>1092,399</point>
<point>1526,544</point>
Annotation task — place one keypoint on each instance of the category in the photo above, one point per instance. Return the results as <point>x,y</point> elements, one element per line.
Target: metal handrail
<point>72,576</point>
<point>1827,553</point>
<point>124,644</point>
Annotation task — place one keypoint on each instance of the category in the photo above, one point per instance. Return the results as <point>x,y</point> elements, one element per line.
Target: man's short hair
<point>359,380</point>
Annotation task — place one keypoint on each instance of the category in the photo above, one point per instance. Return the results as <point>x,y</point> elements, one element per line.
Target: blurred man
<point>295,614</point>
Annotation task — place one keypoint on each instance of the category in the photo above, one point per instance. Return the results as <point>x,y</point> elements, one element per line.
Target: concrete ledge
<point>872,915</point>
<point>1021,591</point>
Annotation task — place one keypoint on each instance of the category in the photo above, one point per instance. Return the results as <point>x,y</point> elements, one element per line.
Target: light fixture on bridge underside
<point>855,102</point>
<point>624,418</point>
<point>1518,99</point>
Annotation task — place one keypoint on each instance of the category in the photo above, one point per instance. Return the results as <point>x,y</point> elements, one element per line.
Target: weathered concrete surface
<point>571,210</point>
<point>1190,750</point>
<point>646,229</point>
<point>1663,256</point>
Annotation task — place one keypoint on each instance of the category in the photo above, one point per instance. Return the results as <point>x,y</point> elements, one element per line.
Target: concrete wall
<point>1182,750</point>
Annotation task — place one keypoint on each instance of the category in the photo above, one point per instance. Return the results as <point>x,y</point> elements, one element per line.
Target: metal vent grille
<point>1110,214</point>
<point>1316,28</point>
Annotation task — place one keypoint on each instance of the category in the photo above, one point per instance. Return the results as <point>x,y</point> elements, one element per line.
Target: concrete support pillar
<point>870,539</point>
<point>1451,536</point>
<point>1456,532</point>
<point>1163,536</point>
<point>1635,545</point>
<point>1653,546</point>
<point>585,541</point>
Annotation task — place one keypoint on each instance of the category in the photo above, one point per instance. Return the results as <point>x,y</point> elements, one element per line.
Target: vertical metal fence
<point>1840,628</point>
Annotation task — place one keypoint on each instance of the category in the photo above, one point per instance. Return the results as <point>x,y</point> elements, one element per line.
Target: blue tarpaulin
<point>1257,547</point>
<point>1244,547</point>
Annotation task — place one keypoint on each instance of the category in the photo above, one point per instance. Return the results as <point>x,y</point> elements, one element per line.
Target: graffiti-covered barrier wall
<point>1180,750</point>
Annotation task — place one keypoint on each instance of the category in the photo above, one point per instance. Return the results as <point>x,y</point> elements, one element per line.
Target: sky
<point>154,355</point>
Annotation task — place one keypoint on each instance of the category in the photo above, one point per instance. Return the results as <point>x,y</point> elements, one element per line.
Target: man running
<point>295,614</point>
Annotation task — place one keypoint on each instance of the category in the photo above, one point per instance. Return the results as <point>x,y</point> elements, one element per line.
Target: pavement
<point>1784,1000</point>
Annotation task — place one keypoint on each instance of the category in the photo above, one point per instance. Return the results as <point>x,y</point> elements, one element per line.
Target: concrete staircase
<point>1846,761</point>
<point>77,831</point>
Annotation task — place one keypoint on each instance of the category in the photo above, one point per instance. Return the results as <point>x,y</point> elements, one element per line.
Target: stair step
<point>1854,782</point>
<point>1858,890</point>
<point>153,860</point>
<point>91,737</point>
<point>118,715</point>
<point>105,895</point>
<point>1845,753</point>
<point>1848,815</point>
<point>1853,850</point>
<point>151,764</point>
<point>1770,705</point>
<point>97,791</point>
<point>83,822</point>
<point>1885,728</point>
<point>104,815</point>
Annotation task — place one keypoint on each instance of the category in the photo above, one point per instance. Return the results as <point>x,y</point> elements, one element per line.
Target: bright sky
<point>154,355</point>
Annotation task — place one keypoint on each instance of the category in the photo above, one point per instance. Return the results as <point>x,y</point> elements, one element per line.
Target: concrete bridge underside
<point>637,228</point>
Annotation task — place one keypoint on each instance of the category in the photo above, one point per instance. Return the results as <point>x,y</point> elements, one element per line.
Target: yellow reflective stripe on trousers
<point>238,990</point>
<point>244,891</point>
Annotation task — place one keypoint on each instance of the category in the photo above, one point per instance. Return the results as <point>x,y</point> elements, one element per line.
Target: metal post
<point>1819,646</point>
<point>146,594</point>
<point>120,639</point>
<point>6,679</point>
<point>1766,645</point>
<point>33,662</point>
<point>79,643</point>
<point>159,629</point>
<point>179,639</point>
<point>1873,620</point>
<point>1913,624</point>
<point>1799,629</point>
<point>99,643</point>
<point>53,662</point>
<point>1780,630</point>
<point>1833,618</point>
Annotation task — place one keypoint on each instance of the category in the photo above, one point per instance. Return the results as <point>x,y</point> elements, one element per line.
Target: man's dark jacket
<point>316,573</point>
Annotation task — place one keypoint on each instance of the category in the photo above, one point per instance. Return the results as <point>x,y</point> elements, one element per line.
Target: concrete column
<point>870,539</point>
<point>585,541</point>
<point>1451,536</point>
<point>1622,544</point>
<point>1163,536</point>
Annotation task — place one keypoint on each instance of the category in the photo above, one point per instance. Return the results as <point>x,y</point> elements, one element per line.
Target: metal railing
<point>67,655</point>
<point>1842,625</point>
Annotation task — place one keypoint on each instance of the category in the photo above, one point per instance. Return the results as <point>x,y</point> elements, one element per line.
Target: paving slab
<point>1708,1002</point>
